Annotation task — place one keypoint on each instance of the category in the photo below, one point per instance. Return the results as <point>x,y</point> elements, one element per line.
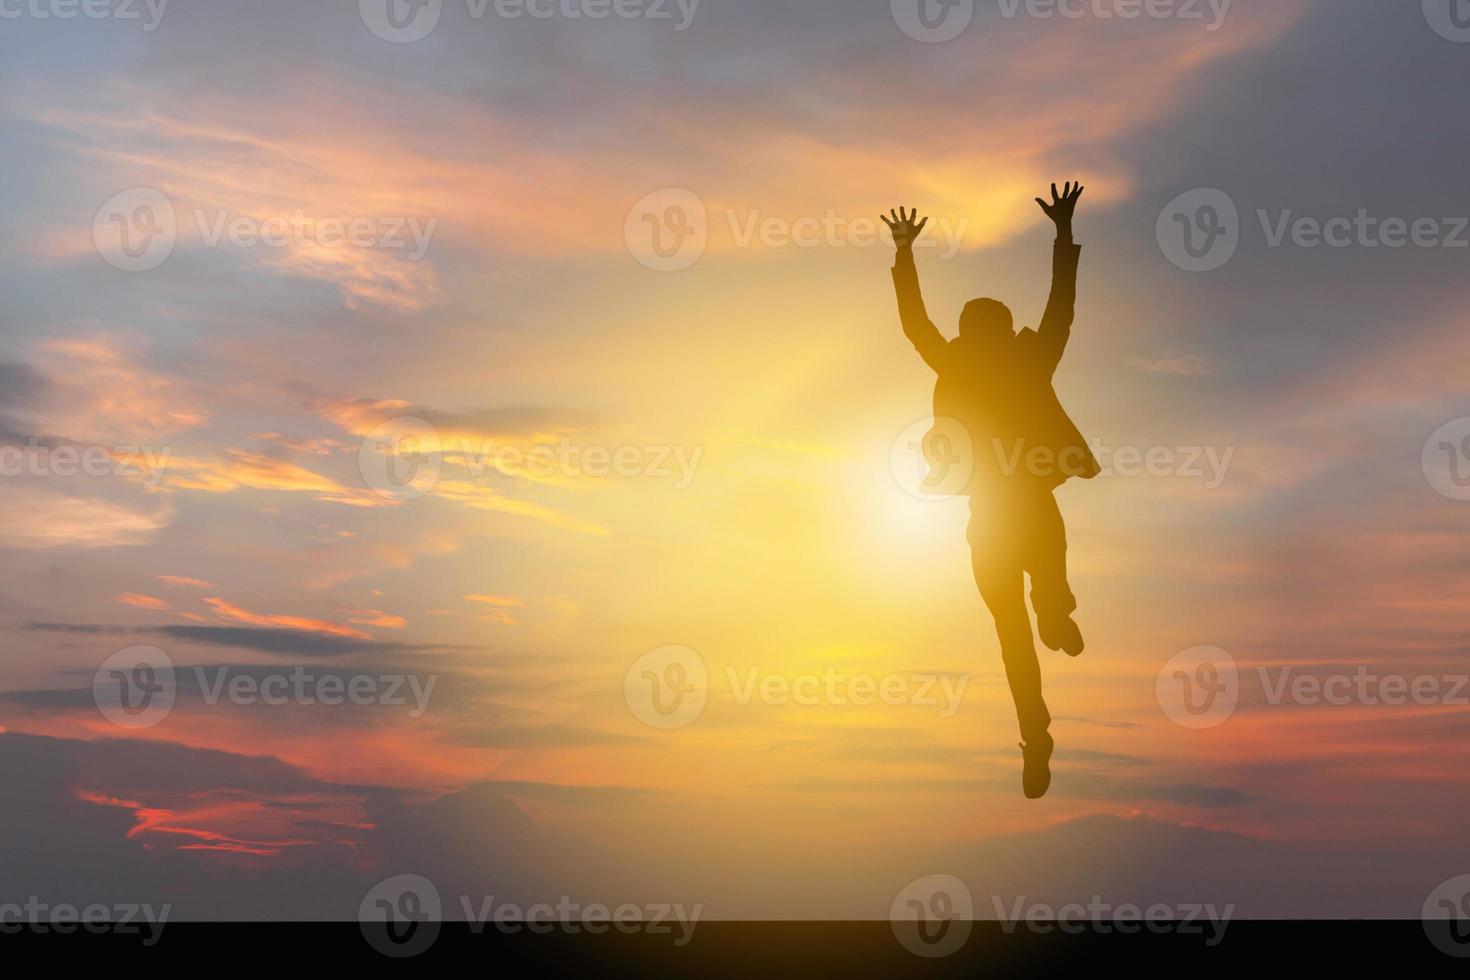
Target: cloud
<point>1094,786</point>
<point>141,601</point>
<point>80,394</point>
<point>21,387</point>
<point>500,608</point>
<point>31,518</point>
<point>238,469</point>
<point>185,581</point>
<point>465,441</point>
<point>133,820</point>
<point>229,610</point>
<point>361,416</point>
<point>363,150</point>
<point>278,641</point>
<point>1181,366</point>
<point>547,736</point>
<point>289,641</point>
<point>497,600</point>
<point>562,793</point>
<point>100,391</point>
<point>378,618</point>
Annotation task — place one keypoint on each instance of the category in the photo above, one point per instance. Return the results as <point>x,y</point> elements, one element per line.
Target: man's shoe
<point>1060,633</point>
<point>1036,776</point>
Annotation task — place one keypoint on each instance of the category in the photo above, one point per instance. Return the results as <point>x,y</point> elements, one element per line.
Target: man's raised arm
<point>916,323</point>
<point>1056,323</point>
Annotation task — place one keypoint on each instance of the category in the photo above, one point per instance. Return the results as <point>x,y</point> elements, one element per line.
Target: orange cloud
<point>32,519</point>
<point>497,616</point>
<point>231,611</point>
<point>140,601</point>
<point>104,393</point>
<point>502,605</point>
<point>450,430</point>
<point>237,469</point>
<point>351,154</point>
<point>376,617</point>
<point>184,580</point>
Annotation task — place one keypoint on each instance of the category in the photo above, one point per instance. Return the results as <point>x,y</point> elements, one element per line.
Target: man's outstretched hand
<point>1062,207</point>
<point>905,231</point>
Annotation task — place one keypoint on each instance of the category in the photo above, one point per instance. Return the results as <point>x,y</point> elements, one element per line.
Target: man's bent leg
<point>1046,560</point>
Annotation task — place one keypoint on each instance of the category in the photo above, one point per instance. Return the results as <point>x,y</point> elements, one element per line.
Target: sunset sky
<point>246,395</point>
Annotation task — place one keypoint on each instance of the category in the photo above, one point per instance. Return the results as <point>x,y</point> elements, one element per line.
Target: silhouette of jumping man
<point>997,385</point>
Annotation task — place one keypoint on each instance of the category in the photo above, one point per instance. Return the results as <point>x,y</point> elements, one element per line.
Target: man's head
<point>986,321</point>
